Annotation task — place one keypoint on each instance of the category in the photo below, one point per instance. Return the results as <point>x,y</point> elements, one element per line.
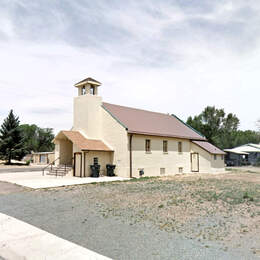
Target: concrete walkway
<point>35,180</point>
<point>21,169</point>
<point>19,240</point>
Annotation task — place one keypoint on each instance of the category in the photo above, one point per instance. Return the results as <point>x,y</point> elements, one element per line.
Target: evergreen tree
<point>11,141</point>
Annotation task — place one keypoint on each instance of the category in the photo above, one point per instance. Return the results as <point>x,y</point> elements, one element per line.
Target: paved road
<point>65,214</point>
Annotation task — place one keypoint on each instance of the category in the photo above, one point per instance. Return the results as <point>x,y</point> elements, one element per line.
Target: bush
<point>28,162</point>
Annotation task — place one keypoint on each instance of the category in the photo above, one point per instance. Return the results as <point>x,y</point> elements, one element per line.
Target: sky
<point>170,56</point>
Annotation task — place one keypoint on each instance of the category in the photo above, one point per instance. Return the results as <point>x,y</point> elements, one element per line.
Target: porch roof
<point>84,143</point>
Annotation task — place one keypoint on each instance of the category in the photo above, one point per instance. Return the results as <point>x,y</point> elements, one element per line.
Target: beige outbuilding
<point>135,141</point>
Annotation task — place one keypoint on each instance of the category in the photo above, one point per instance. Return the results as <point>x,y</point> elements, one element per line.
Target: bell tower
<point>88,86</point>
<point>87,116</point>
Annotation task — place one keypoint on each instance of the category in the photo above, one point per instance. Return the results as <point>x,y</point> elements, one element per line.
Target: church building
<point>134,140</point>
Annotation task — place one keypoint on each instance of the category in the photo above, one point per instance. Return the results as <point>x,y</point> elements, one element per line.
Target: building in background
<point>247,154</point>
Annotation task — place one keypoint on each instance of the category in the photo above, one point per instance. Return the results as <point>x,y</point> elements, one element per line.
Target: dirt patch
<point>221,207</point>
<point>6,188</point>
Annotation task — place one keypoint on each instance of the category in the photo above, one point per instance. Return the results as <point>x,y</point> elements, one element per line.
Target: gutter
<point>130,154</point>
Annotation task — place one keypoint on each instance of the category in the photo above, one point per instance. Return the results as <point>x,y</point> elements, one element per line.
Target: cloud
<point>168,56</point>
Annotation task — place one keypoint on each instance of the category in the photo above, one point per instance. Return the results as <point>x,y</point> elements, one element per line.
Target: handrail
<point>50,164</point>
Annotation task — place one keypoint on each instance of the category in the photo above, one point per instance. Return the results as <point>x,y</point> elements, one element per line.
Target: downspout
<point>130,153</point>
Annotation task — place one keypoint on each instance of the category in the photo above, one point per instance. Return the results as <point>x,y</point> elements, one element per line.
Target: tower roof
<point>86,81</point>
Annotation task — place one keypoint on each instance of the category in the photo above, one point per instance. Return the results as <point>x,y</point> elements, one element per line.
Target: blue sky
<point>167,56</point>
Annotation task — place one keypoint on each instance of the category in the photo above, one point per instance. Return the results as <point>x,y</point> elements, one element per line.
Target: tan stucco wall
<point>152,162</point>
<point>204,158</point>
<point>104,158</point>
<point>48,158</point>
<point>88,115</point>
<point>116,137</point>
<point>217,165</point>
<point>78,165</point>
<point>65,151</point>
<point>207,162</point>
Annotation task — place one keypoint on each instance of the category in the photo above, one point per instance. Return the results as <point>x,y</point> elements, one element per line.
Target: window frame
<point>165,146</point>
<point>180,147</point>
<point>148,145</point>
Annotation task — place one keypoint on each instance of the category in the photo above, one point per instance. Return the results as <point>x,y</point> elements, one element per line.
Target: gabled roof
<point>255,145</point>
<point>145,122</point>
<point>88,80</point>
<point>246,148</point>
<point>82,142</point>
<point>209,147</point>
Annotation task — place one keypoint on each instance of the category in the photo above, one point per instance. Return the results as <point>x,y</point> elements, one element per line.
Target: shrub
<point>28,162</point>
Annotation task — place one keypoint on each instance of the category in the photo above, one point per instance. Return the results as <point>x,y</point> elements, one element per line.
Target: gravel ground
<point>75,214</point>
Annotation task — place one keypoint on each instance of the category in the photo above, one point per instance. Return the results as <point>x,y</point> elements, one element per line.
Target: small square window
<point>180,169</point>
<point>180,147</point>
<point>148,145</point>
<point>162,171</point>
<point>165,146</point>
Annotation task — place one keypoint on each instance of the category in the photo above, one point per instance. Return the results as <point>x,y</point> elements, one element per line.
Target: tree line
<point>221,129</point>
<point>18,140</point>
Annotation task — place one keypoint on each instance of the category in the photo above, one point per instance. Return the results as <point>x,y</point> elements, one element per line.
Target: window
<point>148,145</point>
<point>215,157</point>
<point>92,90</point>
<point>180,147</point>
<point>180,170</point>
<point>162,171</point>
<point>165,146</point>
<point>222,157</point>
<point>83,90</point>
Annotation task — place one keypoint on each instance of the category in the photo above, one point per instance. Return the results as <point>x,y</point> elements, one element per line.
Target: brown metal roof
<point>83,143</point>
<point>209,147</point>
<point>151,123</point>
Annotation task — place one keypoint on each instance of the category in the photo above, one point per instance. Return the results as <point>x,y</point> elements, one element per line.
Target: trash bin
<point>110,169</point>
<point>141,172</point>
<point>95,170</point>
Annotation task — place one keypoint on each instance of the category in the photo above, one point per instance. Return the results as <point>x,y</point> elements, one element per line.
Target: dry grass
<point>222,207</point>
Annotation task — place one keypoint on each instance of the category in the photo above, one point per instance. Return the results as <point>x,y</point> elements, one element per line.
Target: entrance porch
<point>72,148</point>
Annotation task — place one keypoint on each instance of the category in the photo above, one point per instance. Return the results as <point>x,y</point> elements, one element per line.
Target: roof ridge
<point>140,109</point>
